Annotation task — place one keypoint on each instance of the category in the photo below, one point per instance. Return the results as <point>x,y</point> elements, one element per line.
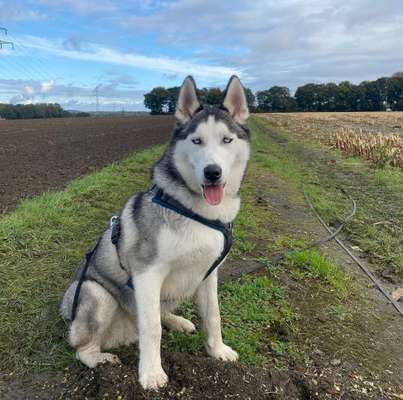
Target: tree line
<point>161,100</point>
<point>40,110</point>
<point>379,95</point>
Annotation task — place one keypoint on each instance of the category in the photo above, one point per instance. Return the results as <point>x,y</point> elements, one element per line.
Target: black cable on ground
<point>275,260</point>
<point>318,243</point>
<point>359,263</point>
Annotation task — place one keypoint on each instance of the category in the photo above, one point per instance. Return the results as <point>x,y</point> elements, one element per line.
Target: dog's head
<point>212,141</point>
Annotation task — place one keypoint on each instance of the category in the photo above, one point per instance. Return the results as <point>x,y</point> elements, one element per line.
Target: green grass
<point>340,312</point>
<point>255,313</point>
<point>313,264</point>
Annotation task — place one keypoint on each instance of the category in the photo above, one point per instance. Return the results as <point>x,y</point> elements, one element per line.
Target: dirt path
<point>45,154</point>
<point>354,349</point>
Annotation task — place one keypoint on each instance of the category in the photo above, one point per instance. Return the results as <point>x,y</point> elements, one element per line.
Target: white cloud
<point>29,91</point>
<point>17,12</point>
<point>105,55</point>
<point>286,42</point>
<point>46,87</point>
<point>81,6</point>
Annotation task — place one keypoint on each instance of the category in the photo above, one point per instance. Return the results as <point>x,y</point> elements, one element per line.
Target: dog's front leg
<point>148,292</point>
<point>207,302</point>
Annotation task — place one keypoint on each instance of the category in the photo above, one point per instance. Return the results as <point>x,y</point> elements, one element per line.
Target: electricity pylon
<point>5,42</point>
<point>96,92</point>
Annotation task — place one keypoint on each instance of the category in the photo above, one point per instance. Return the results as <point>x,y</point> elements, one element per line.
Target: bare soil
<point>191,377</point>
<point>45,154</point>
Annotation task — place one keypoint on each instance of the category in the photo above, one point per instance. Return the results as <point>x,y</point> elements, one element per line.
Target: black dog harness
<point>167,201</point>
<point>164,200</point>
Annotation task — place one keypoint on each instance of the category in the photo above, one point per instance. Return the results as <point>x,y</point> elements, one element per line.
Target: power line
<point>21,63</point>
<point>27,68</point>
<point>16,65</point>
<point>36,63</point>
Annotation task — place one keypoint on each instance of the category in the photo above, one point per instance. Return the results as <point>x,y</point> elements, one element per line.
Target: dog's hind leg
<point>95,314</point>
<point>177,323</point>
<point>122,331</point>
<point>91,355</point>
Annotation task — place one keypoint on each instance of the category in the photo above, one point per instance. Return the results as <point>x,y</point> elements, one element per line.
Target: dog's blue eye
<point>227,140</point>
<point>197,141</point>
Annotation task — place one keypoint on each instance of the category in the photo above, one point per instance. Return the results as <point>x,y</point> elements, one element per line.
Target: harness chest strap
<point>166,201</point>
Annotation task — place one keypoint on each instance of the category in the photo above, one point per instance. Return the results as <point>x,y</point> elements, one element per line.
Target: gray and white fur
<point>166,254</point>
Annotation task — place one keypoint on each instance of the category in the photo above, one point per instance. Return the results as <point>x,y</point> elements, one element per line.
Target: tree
<point>40,110</point>
<point>172,98</point>
<point>250,99</point>
<point>370,96</point>
<point>210,96</point>
<point>276,99</point>
<point>347,98</point>
<point>306,97</point>
<point>394,92</point>
<point>156,100</point>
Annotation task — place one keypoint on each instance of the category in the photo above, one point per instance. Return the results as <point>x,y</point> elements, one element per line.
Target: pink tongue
<point>213,194</point>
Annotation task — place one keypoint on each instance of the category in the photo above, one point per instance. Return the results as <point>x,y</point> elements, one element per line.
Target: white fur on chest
<point>187,254</point>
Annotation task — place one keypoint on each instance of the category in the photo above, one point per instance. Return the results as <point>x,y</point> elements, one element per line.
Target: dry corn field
<point>376,136</point>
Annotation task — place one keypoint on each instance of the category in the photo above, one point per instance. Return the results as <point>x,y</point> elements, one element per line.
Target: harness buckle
<point>114,219</point>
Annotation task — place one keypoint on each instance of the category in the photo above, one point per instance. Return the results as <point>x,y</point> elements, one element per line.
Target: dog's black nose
<point>212,172</point>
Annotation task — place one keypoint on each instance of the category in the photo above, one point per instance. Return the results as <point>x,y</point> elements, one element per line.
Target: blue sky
<point>66,48</point>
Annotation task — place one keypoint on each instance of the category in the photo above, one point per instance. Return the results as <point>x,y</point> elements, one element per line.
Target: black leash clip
<point>115,227</point>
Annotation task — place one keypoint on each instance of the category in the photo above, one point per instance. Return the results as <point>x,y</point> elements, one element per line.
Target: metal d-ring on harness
<point>164,200</point>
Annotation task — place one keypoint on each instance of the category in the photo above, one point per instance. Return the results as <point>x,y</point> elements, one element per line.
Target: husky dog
<point>165,254</point>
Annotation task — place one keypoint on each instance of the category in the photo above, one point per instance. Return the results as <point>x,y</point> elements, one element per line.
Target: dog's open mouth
<point>213,194</point>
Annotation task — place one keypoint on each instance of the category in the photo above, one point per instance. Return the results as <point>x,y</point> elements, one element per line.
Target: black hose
<point>282,256</point>
<point>318,243</point>
<point>358,262</point>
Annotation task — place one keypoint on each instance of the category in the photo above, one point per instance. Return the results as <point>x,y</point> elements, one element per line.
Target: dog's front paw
<point>153,378</point>
<point>222,352</point>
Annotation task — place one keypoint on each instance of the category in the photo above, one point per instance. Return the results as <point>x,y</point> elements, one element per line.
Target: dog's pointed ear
<point>235,100</point>
<point>187,101</point>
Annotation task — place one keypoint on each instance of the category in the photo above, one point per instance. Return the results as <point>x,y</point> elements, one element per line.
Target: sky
<point>65,49</point>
